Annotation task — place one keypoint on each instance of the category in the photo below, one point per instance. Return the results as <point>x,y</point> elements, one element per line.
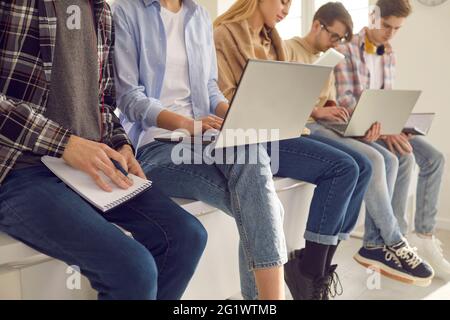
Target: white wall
<point>423,49</point>
<point>211,6</point>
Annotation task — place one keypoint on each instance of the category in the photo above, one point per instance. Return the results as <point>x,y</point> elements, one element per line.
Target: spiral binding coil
<point>118,202</point>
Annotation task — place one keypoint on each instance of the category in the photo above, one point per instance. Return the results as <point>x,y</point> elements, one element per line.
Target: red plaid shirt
<point>27,43</point>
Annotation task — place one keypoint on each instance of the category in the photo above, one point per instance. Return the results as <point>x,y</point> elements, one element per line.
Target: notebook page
<point>83,184</point>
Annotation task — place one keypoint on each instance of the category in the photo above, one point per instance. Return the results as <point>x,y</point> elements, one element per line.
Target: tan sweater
<point>298,50</point>
<point>235,44</point>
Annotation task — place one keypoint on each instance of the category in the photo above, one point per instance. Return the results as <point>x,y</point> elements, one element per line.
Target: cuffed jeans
<point>381,226</point>
<point>157,263</point>
<point>341,176</point>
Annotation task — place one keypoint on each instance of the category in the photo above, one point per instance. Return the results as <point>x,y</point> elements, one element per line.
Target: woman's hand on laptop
<point>172,121</point>
<point>92,158</point>
<point>331,114</point>
<point>373,134</point>
<point>197,127</point>
<point>398,144</point>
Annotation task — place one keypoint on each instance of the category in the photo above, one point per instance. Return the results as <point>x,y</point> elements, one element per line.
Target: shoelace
<point>333,286</point>
<point>390,256</point>
<point>318,289</point>
<point>409,254</point>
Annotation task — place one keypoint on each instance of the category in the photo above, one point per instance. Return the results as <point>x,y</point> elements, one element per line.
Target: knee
<point>365,168</point>
<point>350,167</point>
<point>438,160</point>
<point>190,242</point>
<point>407,162</point>
<point>378,164</point>
<point>392,163</point>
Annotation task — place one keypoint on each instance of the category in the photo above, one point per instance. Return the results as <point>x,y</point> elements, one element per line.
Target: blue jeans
<point>381,226</point>
<point>341,176</point>
<point>157,263</point>
<point>431,163</point>
<point>244,191</point>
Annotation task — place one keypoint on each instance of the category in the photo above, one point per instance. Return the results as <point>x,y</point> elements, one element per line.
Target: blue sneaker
<point>384,261</point>
<point>421,272</point>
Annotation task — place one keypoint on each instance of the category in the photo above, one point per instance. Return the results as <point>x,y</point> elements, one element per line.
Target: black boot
<point>332,284</point>
<point>301,285</point>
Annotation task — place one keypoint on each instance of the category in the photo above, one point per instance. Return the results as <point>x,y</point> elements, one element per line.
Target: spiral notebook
<point>83,184</point>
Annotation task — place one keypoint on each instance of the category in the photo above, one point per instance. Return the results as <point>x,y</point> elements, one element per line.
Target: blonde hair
<point>239,11</point>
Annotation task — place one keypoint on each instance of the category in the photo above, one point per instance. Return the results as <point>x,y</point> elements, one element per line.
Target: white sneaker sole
<point>392,273</point>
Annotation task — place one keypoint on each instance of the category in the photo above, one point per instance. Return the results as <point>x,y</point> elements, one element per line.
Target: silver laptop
<point>419,124</point>
<point>271,97</point>
<point>391,108</point>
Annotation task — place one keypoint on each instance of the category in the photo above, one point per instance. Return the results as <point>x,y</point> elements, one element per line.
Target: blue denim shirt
<point>140,58</point>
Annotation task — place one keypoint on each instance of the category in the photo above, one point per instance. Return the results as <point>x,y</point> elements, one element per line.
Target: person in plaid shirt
<point>370,64</point>
<point>57,98</point>
<point>384,244</point>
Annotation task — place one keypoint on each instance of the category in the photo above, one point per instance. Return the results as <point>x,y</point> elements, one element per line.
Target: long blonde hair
<point>240,10</point>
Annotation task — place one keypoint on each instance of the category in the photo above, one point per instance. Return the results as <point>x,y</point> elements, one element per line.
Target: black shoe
<point>301,285</point>
<point>332,285</point>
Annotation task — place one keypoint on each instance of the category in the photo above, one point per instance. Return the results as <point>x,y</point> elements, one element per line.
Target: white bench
<point>27,274</point>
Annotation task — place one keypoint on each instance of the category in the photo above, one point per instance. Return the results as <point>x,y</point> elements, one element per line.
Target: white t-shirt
<point>375,65</point>
<point>176,89</point>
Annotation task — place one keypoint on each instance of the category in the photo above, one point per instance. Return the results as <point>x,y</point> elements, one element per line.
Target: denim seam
<point>323,218</point>
<point>276,262</point>
<point>426,196</point>
<point>238,218</point>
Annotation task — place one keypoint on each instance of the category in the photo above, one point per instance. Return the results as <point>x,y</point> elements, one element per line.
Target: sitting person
<point>247,31</point>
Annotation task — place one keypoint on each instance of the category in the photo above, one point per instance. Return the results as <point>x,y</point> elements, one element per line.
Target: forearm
<point>222,109</point>
<point>172,121</point>
<point>30,131</point>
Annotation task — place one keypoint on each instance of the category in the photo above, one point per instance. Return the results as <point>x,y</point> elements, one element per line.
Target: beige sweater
<point>235,44</point>
<point>298,50</point>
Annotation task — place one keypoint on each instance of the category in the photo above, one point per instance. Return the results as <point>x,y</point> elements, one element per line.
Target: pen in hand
<point>119,167</point>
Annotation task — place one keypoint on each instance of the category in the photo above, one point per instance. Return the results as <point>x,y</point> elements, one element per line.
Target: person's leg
<point>431,163</point>
<point>257,210</point>
<point>401,188</point>
<point>152,216</point>
<point>381,227</point>
<point>354,208</point>
<point>336,174</point>
<point>39,210</point>
<point>365,175</point>
<point>384,245</point>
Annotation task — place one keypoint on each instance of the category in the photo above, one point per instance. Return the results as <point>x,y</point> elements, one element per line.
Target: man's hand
<point>398,143</point>
<point>332,114</point>
<point>373,134</point>
<point>92,158</point>
<point>133,165</point>
<point>172,121</point>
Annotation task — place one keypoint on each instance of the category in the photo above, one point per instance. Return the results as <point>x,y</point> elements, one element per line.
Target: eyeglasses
<point>334,37</point>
